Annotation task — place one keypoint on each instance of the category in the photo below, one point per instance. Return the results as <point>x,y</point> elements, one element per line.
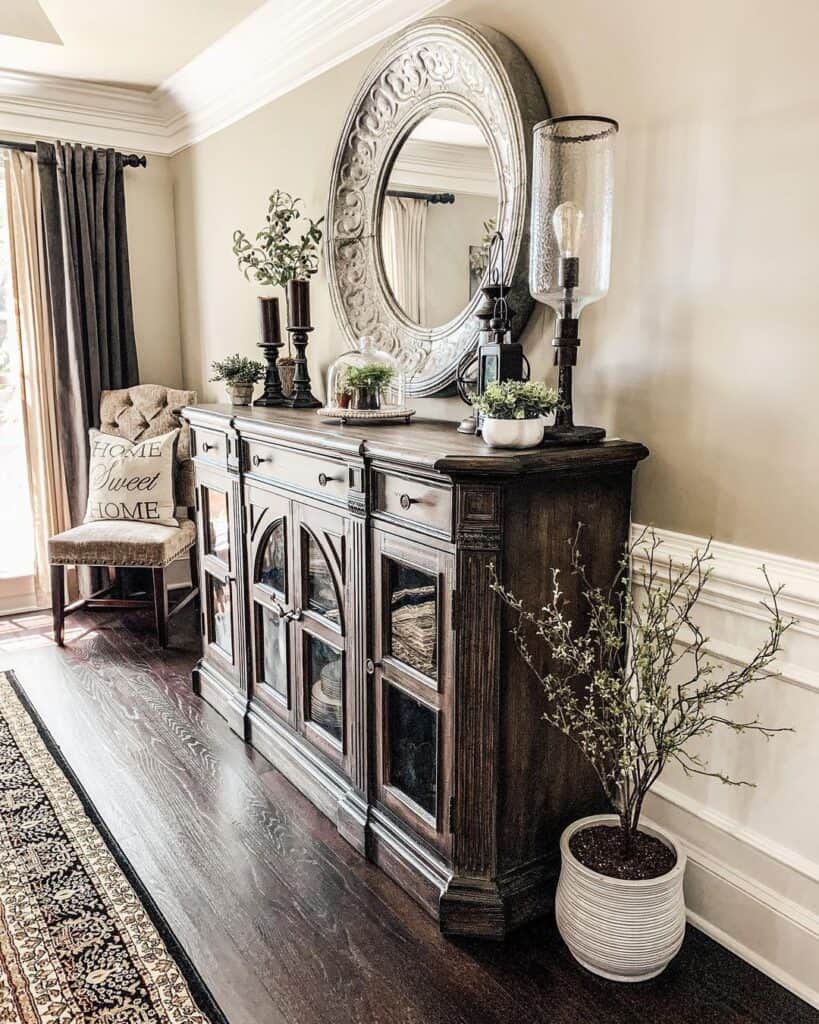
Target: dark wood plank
<point>286,922</point>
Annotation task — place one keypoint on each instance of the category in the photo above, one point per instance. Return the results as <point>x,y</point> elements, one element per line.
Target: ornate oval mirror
<point>434,157</point>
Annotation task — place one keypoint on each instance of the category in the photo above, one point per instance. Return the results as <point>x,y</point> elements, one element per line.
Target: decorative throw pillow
<point>132,480</point>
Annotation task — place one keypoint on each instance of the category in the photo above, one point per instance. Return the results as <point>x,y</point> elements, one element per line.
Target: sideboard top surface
<point>427,444</point>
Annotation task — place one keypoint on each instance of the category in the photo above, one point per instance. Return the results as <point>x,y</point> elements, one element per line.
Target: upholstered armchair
<point>137,414</point>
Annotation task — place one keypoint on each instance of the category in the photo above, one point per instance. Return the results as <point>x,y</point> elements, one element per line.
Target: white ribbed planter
<point>512,433</point>
<point>620,929</point>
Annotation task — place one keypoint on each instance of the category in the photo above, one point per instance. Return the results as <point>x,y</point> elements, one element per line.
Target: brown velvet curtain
<point>86,237</point>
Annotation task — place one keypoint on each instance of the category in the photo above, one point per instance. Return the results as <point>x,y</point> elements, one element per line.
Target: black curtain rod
<point>128,159</point>
<point>430,197</point>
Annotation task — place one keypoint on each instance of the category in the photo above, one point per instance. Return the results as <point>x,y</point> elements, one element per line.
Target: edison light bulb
<point>567,220</point>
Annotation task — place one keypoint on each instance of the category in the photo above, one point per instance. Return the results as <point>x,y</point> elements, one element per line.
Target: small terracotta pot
<point>240,394</point>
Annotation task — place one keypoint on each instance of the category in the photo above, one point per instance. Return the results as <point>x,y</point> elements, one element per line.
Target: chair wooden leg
<point>58,602</point>
<point>160,606</point>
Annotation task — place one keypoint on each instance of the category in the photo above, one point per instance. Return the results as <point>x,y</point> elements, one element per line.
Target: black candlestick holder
<point>270,344</point>
<point>301,397</point>
<point>566,343</point>
<point>298,311</point>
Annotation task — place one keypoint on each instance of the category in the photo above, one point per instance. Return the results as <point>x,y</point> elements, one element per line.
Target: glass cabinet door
<point>216,521</point>
<point>218,589</point>
<point>412,597</point>
<point>268,518</point>
<point>321,629</point>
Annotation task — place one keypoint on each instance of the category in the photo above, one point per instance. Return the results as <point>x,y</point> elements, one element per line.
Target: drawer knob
<point>257,460</point>
<point>323,479</point>
<point>406,501</point>
<point>207,447</point>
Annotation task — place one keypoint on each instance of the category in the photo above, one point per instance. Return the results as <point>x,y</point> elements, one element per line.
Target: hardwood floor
<point>283,919</point>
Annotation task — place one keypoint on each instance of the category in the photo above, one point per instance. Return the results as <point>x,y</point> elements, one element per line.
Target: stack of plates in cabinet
<point>326,697</point>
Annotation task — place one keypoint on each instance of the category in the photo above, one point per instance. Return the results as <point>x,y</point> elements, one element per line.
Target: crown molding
<point>274,50</point>
<point>46,107</point>
<point>442,167</point>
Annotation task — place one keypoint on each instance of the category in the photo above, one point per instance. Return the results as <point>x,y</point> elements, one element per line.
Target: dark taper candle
<point>269,321</point>
<point>298,303</point>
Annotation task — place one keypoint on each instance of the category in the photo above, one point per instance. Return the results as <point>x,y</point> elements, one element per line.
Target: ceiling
<point>137,43</point>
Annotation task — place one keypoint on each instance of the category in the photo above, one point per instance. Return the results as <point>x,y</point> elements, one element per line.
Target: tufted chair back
<point>147,410</point>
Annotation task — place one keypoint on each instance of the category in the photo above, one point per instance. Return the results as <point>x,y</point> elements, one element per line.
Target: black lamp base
<point>573,435</point>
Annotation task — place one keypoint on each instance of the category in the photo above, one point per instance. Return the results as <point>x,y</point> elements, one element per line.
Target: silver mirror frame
<point>438,62</point>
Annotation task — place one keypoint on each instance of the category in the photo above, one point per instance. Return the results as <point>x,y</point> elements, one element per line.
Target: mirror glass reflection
<point>438,212</point>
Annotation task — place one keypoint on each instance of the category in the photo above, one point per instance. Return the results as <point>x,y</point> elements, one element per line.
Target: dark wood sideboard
<point>350,635</point>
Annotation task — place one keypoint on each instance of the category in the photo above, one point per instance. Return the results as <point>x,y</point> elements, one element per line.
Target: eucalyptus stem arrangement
<point>632,683</point>
<point>274,258</point>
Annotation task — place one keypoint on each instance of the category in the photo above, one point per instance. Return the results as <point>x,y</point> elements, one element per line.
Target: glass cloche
<point>366,378</point>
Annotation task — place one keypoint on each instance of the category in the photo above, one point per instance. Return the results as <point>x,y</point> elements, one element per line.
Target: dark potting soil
<point>600,847</point>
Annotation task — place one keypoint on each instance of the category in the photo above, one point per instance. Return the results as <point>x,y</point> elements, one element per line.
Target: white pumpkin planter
<point>512,433</point>
<point>625,930</point>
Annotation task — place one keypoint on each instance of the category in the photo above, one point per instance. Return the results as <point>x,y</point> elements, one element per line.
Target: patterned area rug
<point>80,939</point>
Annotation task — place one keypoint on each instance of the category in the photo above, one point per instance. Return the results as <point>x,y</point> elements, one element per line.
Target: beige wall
<point>706,347</point>
<point>152,248</point>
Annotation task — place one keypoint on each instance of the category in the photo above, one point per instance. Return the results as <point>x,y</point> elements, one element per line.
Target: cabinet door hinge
<point>452,814</point>
<point>456,610</point>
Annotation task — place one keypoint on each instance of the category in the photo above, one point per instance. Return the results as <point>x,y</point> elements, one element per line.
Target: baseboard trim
<point>772,932</point>
<point>761,963</point>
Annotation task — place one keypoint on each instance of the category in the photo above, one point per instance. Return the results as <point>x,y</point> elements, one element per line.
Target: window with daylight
<point>16,525</point>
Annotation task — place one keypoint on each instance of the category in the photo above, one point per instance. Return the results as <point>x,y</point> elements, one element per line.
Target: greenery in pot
<point>632,683</point>
<point>239,374</point>
<point>364,384</point>
<point>236,369</point>
<point>516,400</point>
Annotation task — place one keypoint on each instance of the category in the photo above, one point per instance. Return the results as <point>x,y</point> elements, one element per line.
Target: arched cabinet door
<point>270,533</point>
<point>320,632</point>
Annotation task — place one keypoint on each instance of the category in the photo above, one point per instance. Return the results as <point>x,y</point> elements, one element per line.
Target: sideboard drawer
<point>415,502</point>
<point>295,469</point>
<point>209,446</point>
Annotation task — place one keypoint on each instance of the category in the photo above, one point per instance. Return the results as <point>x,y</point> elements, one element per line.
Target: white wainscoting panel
<point>752,881</point>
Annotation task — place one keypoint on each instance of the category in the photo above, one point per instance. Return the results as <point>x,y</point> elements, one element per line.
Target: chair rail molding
<point>752,881</point>
<point>273,50</point>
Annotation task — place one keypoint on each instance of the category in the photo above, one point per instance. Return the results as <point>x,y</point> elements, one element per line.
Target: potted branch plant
<point>366,384</point>
<point>633,686</point>
<point>513,412</point>
<point>239,374</point>
<point>277,256</point>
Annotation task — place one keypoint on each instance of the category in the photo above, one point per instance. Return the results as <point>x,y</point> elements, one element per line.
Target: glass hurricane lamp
<point>570,254</point>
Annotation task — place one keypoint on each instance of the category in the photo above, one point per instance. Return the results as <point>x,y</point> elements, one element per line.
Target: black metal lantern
<point>496,357</point>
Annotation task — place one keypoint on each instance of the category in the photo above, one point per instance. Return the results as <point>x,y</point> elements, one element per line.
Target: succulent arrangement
<point>516,400</point>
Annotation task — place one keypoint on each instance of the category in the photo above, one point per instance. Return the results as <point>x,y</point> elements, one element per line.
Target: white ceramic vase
<point>620,929</point>
<point>512,433</point>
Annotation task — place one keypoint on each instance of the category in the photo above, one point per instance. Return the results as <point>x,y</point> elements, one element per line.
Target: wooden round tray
<point>387,414</point>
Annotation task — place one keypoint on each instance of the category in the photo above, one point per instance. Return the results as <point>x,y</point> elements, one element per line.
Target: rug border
<point>199,990</point>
